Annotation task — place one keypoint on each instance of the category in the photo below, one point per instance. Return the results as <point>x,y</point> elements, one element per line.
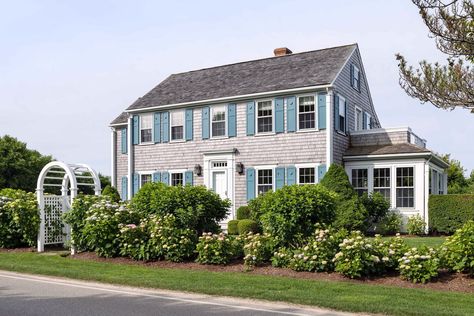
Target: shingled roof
<point>385,150</point>
<point>318,67</point>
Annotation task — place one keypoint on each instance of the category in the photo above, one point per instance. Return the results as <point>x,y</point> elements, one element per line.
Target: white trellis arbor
<point>60,177</point>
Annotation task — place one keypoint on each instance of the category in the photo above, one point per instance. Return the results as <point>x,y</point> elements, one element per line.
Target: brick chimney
<point>282,51</point>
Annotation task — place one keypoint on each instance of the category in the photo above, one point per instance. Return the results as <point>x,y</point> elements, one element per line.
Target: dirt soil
<point>445,282</point>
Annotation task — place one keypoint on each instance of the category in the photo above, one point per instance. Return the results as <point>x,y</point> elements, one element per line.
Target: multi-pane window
<point>146,122</point>
<point>342,115</point>
<point>218,121</point>
<point>382,182</point>
<point>405,187</point>
<point>355,80</point>
<point>144,178</point>
<point>359,120</point>
<point>177,125</point>
<point>265,117</point>
<point>306,112</point>
<point>264,180</point>
<point>177,179</point>
<point>360,180</point>
<point>307,176</point>
<point>440,184</point>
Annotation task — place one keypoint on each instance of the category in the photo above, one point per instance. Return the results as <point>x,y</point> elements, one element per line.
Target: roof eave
<point>426,155</point>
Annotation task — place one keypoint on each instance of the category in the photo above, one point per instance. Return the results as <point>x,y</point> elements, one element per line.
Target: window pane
<point>405,190</point>
<point>382,182</point>
<point>265,180</point>
<point>307,114</point>
<point>307,176</point>
<point>145,178</point>
<point>145,135</point>
<point>360,180</point>
<point>265,124</point>
<point>146,122</point>
<point>177,132</point>
<point>265,117</point>
<point>176,179</point>
<point>177,118</point>
<point>218,129</point>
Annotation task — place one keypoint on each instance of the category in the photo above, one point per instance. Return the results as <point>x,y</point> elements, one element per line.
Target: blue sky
<point>67,68</point>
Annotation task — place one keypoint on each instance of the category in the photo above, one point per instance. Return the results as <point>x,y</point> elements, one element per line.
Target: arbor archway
<point>57,187</point>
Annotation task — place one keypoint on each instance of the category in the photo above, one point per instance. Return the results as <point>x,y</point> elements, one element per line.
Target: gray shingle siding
<point>388,138</point>
<point>283,149</point>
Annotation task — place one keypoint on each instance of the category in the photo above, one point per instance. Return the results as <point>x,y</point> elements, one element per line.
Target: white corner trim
<point>329,127</point>
<point>130,158</point>
<point>113,139</point>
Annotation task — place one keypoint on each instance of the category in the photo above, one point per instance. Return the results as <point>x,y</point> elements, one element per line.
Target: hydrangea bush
<point>217,248</point>
<point>419,265</point>
<point>457,252</point>
<point>258,249</point>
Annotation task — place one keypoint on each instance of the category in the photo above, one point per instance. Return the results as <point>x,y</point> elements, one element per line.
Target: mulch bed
<point>445,282</point>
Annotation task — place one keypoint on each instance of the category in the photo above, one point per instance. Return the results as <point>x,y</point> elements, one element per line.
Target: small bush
<point>232,227</point>
<point>377,209</point>
<point>19,218</point>
<point>457,252</point>
<point>419,265</point>
<point>258,249</point>
<point>245,226</point>
<point>416,225</point>
<point>337,180</point>
<point>282,258</point>
<point>447,213</point>
<point>391,251</point>
<point>216,249</point>
<point>390,224</point>
<point>194,207</point>
<point>243,212</point>
<point>112,193</point>
<point>291,213</point>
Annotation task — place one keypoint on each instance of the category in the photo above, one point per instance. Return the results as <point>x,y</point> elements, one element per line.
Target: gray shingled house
<point>250,127</point>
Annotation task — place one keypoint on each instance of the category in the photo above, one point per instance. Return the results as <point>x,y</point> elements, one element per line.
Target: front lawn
<point>422,241</point>
<point>347,296</point>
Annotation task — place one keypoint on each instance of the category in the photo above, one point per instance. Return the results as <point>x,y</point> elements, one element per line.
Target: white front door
<point>219,183</point>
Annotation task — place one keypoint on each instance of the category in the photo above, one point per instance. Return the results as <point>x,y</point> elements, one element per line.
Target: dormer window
<point>146,122</point>
<point>355,77</point>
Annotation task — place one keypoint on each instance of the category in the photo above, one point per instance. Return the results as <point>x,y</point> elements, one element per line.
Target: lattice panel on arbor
<point>54,207</point>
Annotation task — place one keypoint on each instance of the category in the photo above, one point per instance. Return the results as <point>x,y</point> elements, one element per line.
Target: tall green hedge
<point>450,212</point>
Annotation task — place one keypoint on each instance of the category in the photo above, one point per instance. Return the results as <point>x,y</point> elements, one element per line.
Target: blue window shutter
<point>136,183</point>
<point>157,127</point>
<point>291,175</point>
<point>321,172</point>
<point>165,177</point>
<point>250,173</point>
<point>321,110</point>
<point>352,76</point>
<point>157,176</point>
<point>205,122</point>
<point>165,121</point>
<point>124,188</point>
<point>336,113</point>
<point>280,177</point>
<point>188,177</point>
<point>189,124</point>
<point>123,140</point>
<point>250,118</point>
<point>364,120</point>
<point>291,114</point>
<point>136,130</point>
<point>279,116</point>
<point>231,120</point>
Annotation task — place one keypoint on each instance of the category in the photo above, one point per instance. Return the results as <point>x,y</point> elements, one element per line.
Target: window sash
<point>360,180</point>
<point>355,77</point>
<point>307,175</point>
<point>306,112</point>
<point>146,123</point>
<point>177,125</point>
<point>218,121</point>
<point>177,178</point>
<point>342,114</point>
<point>382,182</point>
<point>264,180</point>
<point>359,119</point>
<point>264,117</point>
<point>144,179</point>
<point>405,189</point>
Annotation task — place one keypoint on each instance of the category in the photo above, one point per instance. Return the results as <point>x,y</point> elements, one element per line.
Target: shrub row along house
<point>250,127</point>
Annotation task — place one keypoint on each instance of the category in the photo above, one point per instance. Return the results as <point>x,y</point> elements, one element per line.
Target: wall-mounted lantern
<point>198,170</point>
<point>239,167</point>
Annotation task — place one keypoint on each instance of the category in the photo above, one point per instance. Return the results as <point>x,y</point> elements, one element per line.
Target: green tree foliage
<point>337,180</point>
<point>451,24</point>
<point>457,182</point>
<point>111,192</point>
<point>19,166</point>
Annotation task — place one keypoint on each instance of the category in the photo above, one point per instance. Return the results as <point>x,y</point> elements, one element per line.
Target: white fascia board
<point>118,124</point>
<point>388,156</point>
<point>231,98</point>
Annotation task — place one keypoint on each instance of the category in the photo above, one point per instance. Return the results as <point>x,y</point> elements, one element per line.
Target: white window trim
<point>371,185</point>
<point>370,177</point>
<point>394,194</point>
<point>307,165</point>
<point>182,171</point>
<point>264,167</point>
<point>316,118</point>
<point>171,126</point>
<point>141,173</point>
<point>140,131</point>
<point>273,117</point>
<point>355,119</point>
<point>340,97</point>
<point>226,121</point>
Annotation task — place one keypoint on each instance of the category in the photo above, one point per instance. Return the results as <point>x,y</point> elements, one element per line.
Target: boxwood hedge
<point>449,212</point>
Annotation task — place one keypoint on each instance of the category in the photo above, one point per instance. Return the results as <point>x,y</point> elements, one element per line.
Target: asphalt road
<point>26,295</point>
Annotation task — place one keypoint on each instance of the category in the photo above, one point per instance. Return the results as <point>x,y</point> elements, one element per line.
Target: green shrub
<point>447,213</point>
<point>350,211</point>
<point>258,249</point>
<point>377,209</point>
<point>416,225</point>
<point>76,218</point>
<point>457,252</point>
<point>195,207</point>
<point>389,224</point>
<point>245,226</point>
<point>111,192</point>
<point>291,213</point>
<point>318,251</point>
<point>243,212</point>
<point>216,249</point>
<point>419,265</point>
<point>391,251</point>
<point>232,227</point>
<point>19,218</point>
<point>282,257</point>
